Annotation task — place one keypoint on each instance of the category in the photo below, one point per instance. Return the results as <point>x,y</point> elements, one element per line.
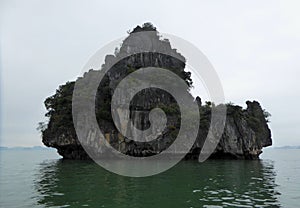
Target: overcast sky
<point>253,45</point>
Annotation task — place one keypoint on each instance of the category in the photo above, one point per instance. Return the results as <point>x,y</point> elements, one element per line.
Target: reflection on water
<point>189,184</point>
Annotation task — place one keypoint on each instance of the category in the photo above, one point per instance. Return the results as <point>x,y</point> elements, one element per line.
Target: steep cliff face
<point>246,131</point>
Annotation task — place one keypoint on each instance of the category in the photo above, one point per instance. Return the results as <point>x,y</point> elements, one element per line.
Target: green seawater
<point>39,178</point>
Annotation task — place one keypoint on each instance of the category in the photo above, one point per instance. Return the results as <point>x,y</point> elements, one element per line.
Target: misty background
<point>254,47</point>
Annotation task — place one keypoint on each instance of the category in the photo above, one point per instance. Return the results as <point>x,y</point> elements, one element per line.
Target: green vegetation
<point>59,107</point>
<point>145,27</point>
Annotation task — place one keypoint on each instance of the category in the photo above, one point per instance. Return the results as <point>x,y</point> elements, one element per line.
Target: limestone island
<point>245,133</point>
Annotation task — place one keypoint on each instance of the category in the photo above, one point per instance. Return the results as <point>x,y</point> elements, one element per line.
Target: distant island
<point>287,147</point>
<point>25,148</point>
<point>246,131</point>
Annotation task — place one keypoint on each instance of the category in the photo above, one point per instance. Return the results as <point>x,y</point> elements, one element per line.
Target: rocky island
<point>245,133</point>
